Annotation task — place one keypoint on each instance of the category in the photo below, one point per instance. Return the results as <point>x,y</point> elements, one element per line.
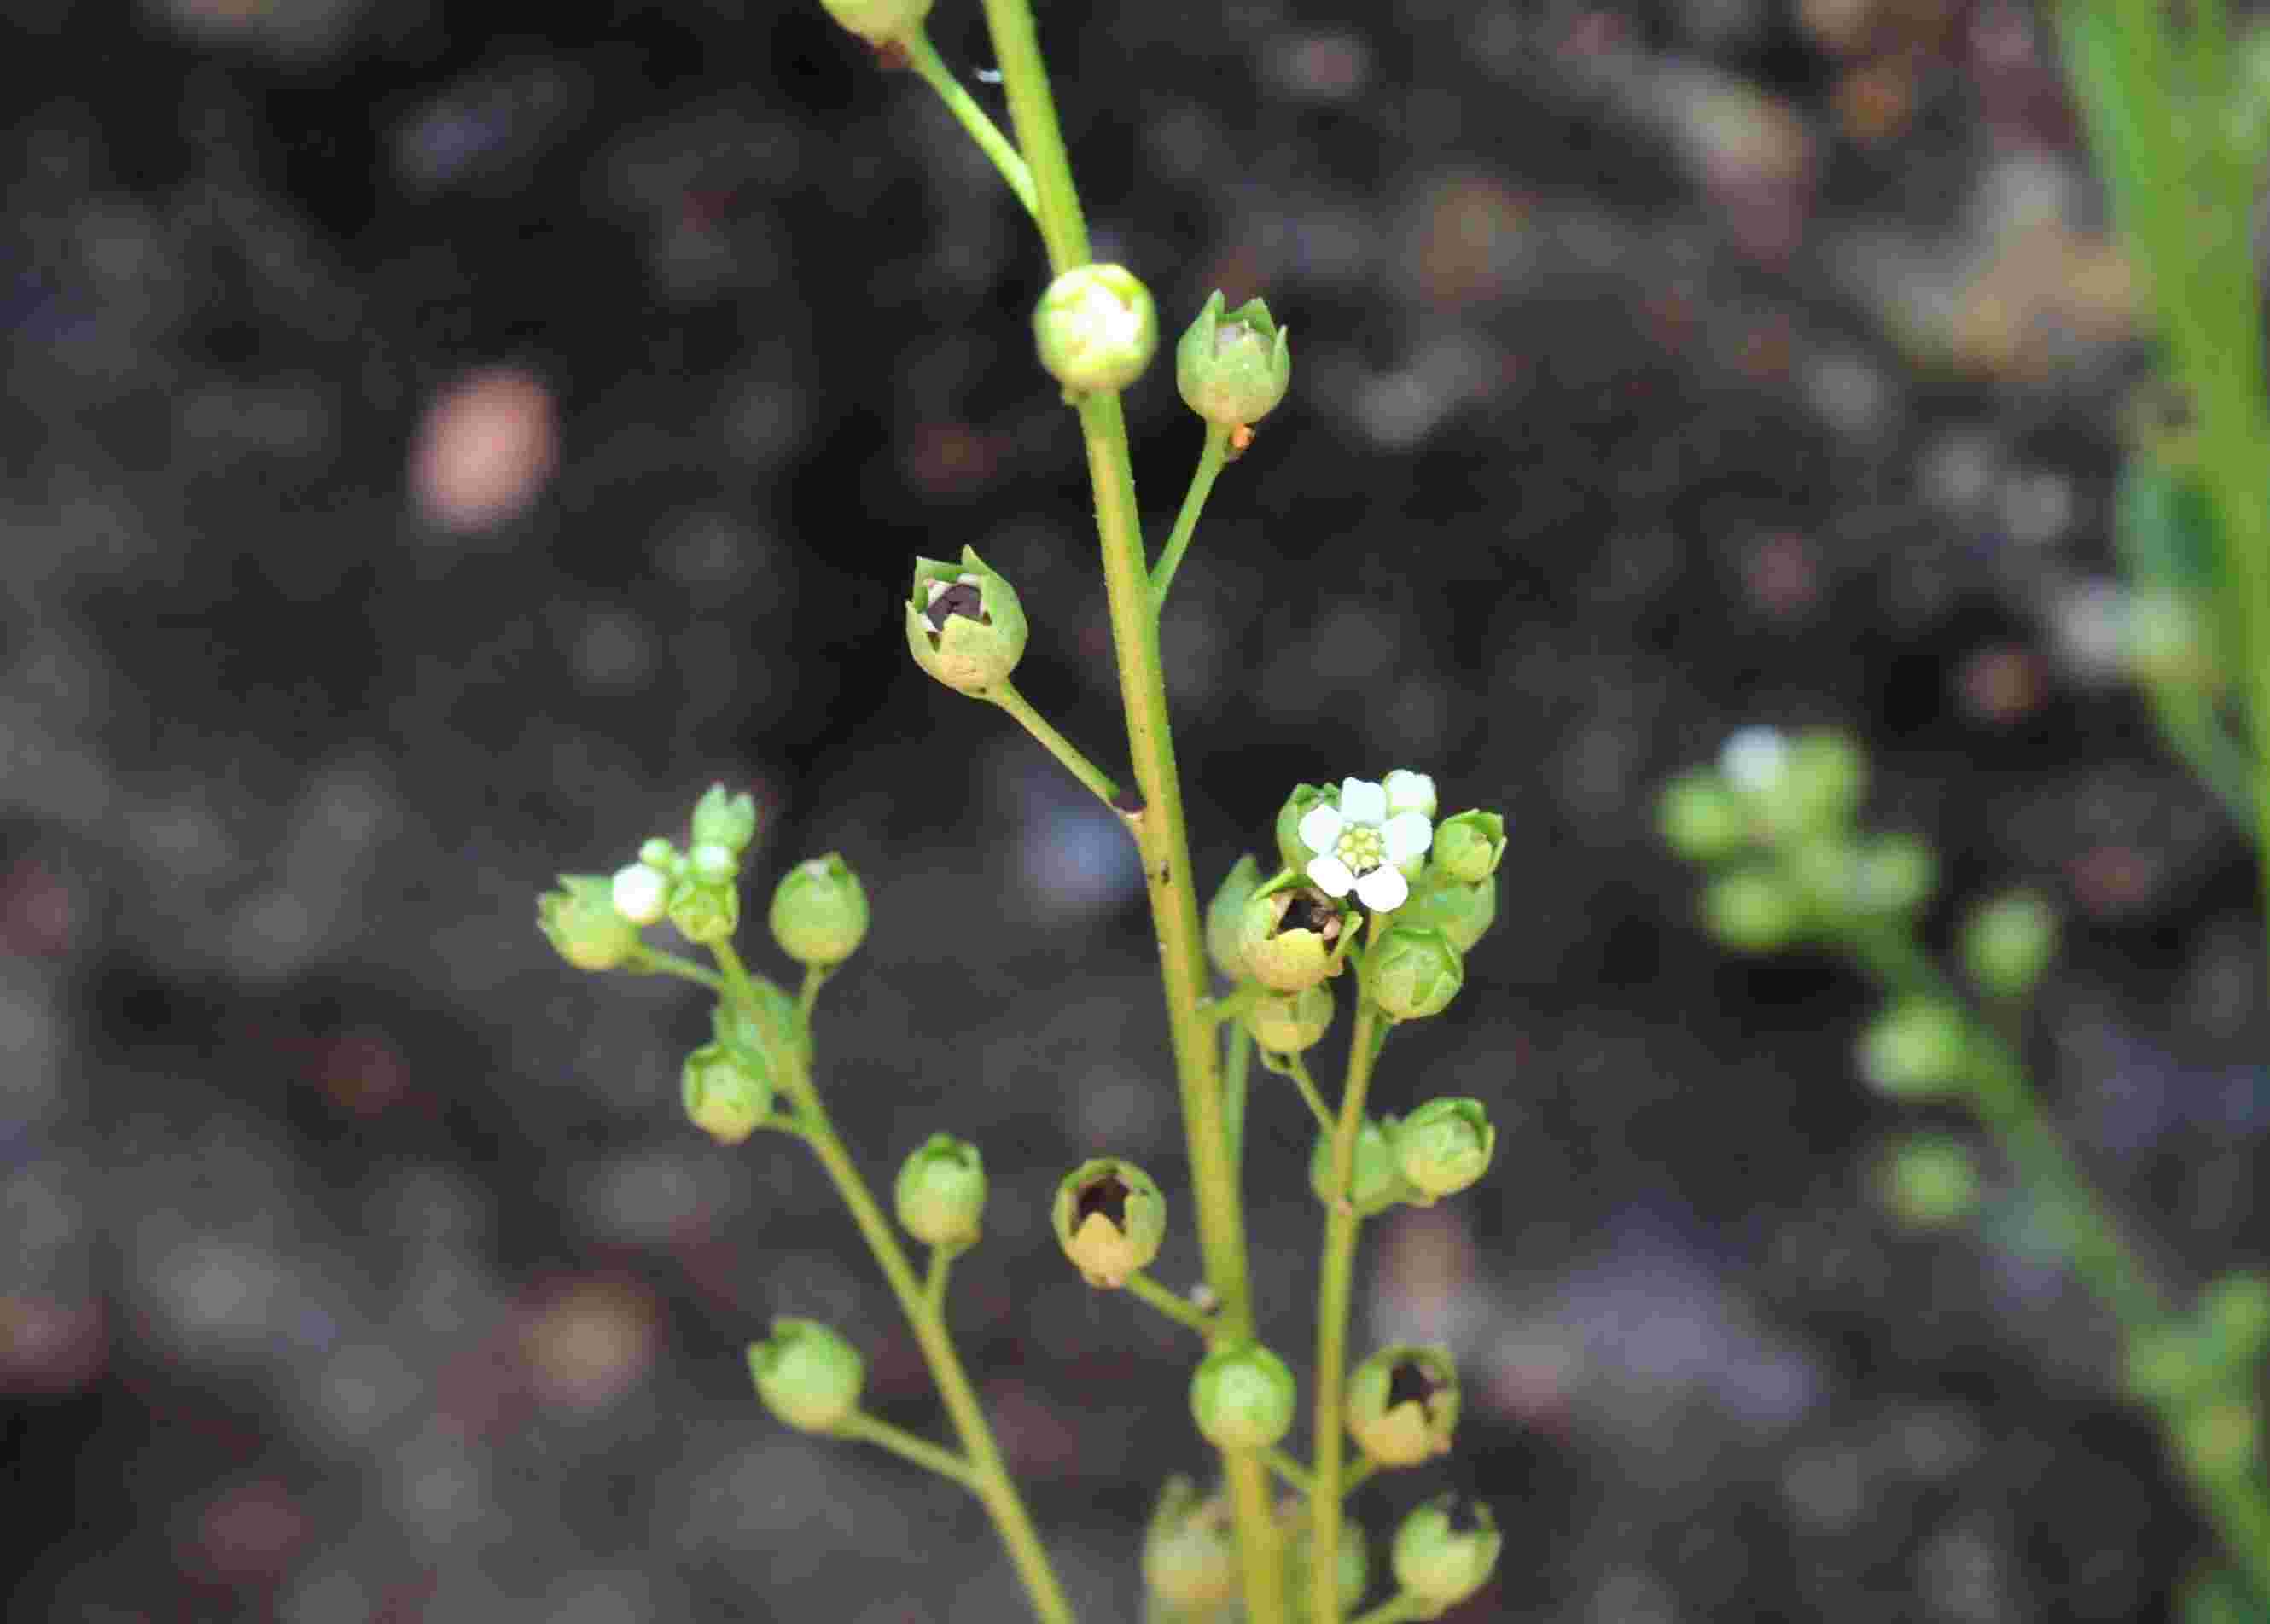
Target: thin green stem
<point>1158,824</point>
<point>1341,1225</point>
<point>1229,1004</point>
<point>1357,1476</point>
<point>815,977</point>
<point>1005,694</point>
<point>941,1263</point>
<point>645,961</point>
<point>1172,1304</point>
<point>1178,540</point>
<point>1395,1610</point>
<point>1234,1071</point>
<point>1294,1475</point>
<point>989,1474</point>
<point>981,129</point>
<point>2188,721</point>
<point>873,1430</point>
<point>1297,1068</point>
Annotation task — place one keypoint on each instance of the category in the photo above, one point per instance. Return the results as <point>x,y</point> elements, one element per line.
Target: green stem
<point>1174,1305</point>
<point>982,129</point>
<point>1234,1073</point>
<point>1357,1476</point>
<point>815,977</point>
<point>1229,1004</point>
<point>1158,824</point>
<point>1341,1225</point>
<point>1297,1069</point>
<point>1294,1474</point>
<point>2189,724</point>
<point>645,961</point>
<point>1186,521</point>
<point>989,1473</point>
<point>873,1430</point>
<point>1005,694</point>
<point>941,1263</point>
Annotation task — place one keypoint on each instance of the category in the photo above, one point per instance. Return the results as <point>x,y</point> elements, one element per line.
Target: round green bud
<point>1243,1397</point>
<point>1929,1181</point>
<point>1825,869</point>
<point>1894,874</point>
<point>2222,1437</point>
<point>1304,799</point>
<point>1700,819</point>
<point>1299,1542</point>
<point>1189,1551</point>
<point>704,911</point>
<point>2236,1310</point>
<point>727,1094</point>
<point>1919,1048</point>
<point>1751,911</point>
<point>1444,1145</point>
<point>1223,915</point>
<point>1291,939</point>
<point>712,863</point>
<point>2008,943</point>
<point>1403,1404</point>
<point>723,819</point>
<point>808,1376</point>
<point>1376,1183</point>
<point>1460,910</point>
<point>581,922</point>
<point>1109,1218</point>
<point>879,22</point>
<point>820,911</point>
<point>1288,1022</point>
<point>964,624</point>
<point>1233,369</point>
<point>2169,1364</point>
<point>1097,328</point>
<point>1412,971</point>
<point>1470,845</point>
<point>941,1195</point>
<point>1822,783</point>
<point>1445,1551</point>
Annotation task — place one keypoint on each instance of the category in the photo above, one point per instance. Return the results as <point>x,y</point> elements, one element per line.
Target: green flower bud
<point>1701,818</point>
<point>1376,1183</point>
<point>1464,912</point>
<point>1222,916</point>
<point>1469,846</point>
<point>713,863</point>
<point>1826,775</point>
<point>879,22</point>
<point>2236,1310</point>
<point>964,624</point>
<point>1097,328</point>
<point>1403,1404</point>
<point>705,913</point>
<point>1917,1050</point>
<point>1445,1551</point>
<point>582,925</point>
<point>1189,1551</point>
<point>723,819</point>
<point>2007,943</point>
<point>941,1195</point>
<point>1233,369</point>
<point>820,911</point>
<point>1243,1397</point>
<point>727,1094</point>
<point>1292,939</point>
<point>1412,971</point>
<point>1304,799</point>
<point>1287,1023</point>
<point>1444,1145</point>
<point>808,1376</point>
<point>1929,1181</point>
<point>1894,874</point>
<point>1109,1220</point>
<point>1300,1561</point>
<point>1751,911</point>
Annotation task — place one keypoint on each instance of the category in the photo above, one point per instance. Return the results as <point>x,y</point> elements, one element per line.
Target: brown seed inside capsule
<point>1306,912</point>
<point>1411,1382</point>
<point>1108,1196</point>
<point>961,599</point>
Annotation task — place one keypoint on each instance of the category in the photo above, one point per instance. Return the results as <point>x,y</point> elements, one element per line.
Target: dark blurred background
<point>441,438</point>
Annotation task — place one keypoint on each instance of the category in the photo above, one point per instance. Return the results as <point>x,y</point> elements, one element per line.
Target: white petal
<point>1361,802</point>
<point>1331,876</point>
<point>1753,757</point>
<point>1383,890</point>
<point>639,893</point>
<point>1409,834</point>
<point>1408,791</point>
<point>1320,828</point>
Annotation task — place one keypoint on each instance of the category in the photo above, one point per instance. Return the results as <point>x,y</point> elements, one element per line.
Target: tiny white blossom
<point>1360,846</point>
<point>639,893</point>
<point>1409,791</point>
<point>1754,758</point>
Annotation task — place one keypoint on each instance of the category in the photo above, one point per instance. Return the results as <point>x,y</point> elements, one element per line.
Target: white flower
<point>1408,791</point>
<point>1754,758</point>
<point>1359,846</point>
<point>639,893</point>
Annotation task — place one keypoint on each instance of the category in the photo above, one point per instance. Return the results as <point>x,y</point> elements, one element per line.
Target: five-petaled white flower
<point>1361,847</point>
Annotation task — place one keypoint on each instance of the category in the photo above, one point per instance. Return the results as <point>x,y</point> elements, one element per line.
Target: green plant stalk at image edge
<point>1158,826</point>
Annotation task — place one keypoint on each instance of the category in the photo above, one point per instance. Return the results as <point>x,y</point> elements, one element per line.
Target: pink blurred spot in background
<point>485,449</point>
